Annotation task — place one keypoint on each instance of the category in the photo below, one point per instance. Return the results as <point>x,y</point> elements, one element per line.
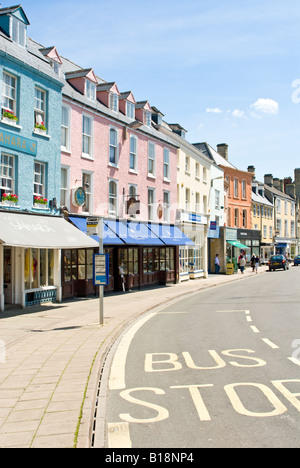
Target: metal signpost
<point>100,264</point>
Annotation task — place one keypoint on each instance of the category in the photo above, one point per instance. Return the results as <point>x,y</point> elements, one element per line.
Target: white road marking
<point>117,374</point>
<point>294,361</point>
<point>119,435</point>
<point>234,310</point>
<point>254,329</point>
<point>268,342</point>
<point>248,318</point>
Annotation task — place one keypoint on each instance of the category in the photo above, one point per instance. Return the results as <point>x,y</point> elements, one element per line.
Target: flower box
<point>9,121</point>
<point>40,202</point>
<point>9,117</point>
<point>9,199</point>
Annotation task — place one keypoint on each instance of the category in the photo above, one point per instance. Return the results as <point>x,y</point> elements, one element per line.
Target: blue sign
<point>213,225</point>
<point>18,143</point>
<point>195,218</point>
<point>101,269</point>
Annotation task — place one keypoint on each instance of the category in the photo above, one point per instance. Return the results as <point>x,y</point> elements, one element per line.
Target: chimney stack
<point>268,179</point>
<point>222,149</point>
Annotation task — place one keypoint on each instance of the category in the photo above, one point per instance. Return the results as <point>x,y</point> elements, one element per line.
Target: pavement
<point>51,358</point>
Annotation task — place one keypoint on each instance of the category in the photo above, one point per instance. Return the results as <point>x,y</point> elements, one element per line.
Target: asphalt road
<point>219,369</point>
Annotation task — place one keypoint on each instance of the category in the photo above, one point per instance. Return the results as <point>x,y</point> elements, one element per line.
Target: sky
<point>228,71</point>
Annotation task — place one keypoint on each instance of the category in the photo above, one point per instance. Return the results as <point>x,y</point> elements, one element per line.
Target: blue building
<point>32,233</point>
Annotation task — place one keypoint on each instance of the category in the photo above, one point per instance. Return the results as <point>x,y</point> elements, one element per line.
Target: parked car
<point>297,260</point>
<point>278,261</point>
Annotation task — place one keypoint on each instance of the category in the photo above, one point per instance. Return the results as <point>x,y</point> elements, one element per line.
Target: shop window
<point>38,268</point>
<point>128,260</point>
<point>77,264</point>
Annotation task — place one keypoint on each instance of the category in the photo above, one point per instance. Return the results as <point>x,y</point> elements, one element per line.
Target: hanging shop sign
<point>11,141</point>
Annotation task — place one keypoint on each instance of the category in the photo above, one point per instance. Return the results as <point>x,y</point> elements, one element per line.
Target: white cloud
<point>266,106</point>
<point>238,113</point>
<point>215,110</point>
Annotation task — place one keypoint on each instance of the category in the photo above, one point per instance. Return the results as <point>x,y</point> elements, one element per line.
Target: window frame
<point>37,111</point>
<point>133,153</point>
<point>42,183</point>
<point>8,167</point>
<point>9,98</point>
<point>16,25</point>
<point>87,137</point>
<point>66,128</point>
<point>113,146</point>
<point>90,90</point>
<point>152,158</point>
<point>151,204</point>
<point>113,100</point>
<point>115,197</point>
<point>166,164</point>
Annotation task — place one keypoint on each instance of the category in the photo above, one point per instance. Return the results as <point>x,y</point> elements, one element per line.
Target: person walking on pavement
<point>252,262</point>
<point>256,263</point>
<point>242,264</point>
<point>217,264</point>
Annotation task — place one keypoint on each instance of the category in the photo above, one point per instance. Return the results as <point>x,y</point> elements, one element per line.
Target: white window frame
<point>11,95</point>
<point>167,205</point>
<point>40,106</point>
<point>133,153</point>
<point>65,190</point>
<point>151,204</point>
<point>166,164</point>
<point>152,158</point>
<point>18,31</point>
<point>244,189</point>
<point>90,90</point>
<point>236,187</point>
<point>114,102</point>
<point>87,137</point>
<point>39,180</point>
<point>217,199</point>
<point>66,128</point>
<point>130,110</point>
<point>113,208</point>
<point>5,169</point>
<point>113,146</point>
<point>87,177</point>
<point>147,118</point>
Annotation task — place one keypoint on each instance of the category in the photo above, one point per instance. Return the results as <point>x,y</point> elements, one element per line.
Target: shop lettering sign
<point>18,143</point>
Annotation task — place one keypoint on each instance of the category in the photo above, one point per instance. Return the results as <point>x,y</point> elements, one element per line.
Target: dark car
<point>278,261</point>
<point>297,260</point>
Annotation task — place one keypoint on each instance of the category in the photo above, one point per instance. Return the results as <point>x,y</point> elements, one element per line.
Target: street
<point>218,369</point>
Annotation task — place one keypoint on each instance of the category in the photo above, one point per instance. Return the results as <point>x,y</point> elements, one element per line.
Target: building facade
<point>116,164</point>
<point>30,127</point>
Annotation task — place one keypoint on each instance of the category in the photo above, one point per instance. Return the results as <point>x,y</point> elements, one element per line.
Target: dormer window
<point>147,118</point>
<point>56,67</point>
<point>18,31</point>
<point>90,90</point>
<point>114,102</point>
<point>130,110</point>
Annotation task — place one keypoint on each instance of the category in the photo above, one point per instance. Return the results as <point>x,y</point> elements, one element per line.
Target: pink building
<point>116,164</point>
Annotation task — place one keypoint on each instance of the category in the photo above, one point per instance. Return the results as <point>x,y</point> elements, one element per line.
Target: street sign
<point>101,269</point>
<point>92,226</point>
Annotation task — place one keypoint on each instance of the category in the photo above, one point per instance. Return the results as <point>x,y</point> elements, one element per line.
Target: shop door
<point>7,285</point>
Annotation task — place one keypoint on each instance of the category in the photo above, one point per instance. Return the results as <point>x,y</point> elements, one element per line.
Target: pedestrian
<point>242,264</point>
<point>257,262</point>
<point>217,264</point>
<point>252,262</point>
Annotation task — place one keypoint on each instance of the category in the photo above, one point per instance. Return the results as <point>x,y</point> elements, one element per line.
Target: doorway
<point>8,275</point>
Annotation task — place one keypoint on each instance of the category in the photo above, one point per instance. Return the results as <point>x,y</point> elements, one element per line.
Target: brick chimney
<point>222,149</point>
<point>251,169</point>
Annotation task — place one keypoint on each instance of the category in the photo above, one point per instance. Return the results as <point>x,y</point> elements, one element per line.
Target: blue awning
<point>134,233</point>
<point>170,234</point>
<point>109,236</point>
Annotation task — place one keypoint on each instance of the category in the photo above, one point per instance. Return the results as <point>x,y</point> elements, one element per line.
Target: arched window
<point>244,218</point>
<point>236,217</point>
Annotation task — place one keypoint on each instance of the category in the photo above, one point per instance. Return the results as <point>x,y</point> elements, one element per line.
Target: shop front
<point>30,257</point>
<point>251,238</point>
<point>193,254</point>
<point>140,255</point>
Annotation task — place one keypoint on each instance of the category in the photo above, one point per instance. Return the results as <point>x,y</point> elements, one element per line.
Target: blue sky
<point>228,71</point>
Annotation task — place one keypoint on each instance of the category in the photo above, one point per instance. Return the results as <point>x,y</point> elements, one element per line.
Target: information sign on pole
<point>101,269</point>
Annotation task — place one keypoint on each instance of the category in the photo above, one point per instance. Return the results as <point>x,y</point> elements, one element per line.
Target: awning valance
<point>37,231</point>
<point>109,236</point>
<point>170,234</point>
<point>238,244</point>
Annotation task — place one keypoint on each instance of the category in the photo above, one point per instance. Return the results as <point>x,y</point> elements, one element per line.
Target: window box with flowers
<point>9,199</point>
<point>40,128</point>
<point>40,202</point>
<point>9,117</point>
